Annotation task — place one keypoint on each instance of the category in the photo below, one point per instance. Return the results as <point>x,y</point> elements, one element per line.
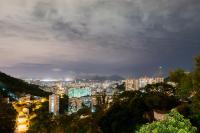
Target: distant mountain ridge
<point>103,78</point>
<point>18,86</point>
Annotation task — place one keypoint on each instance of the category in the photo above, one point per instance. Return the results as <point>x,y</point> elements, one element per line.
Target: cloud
<point>56,69</point>
<point>115,36</point>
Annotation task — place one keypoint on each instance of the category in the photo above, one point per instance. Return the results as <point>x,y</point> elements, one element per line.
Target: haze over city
<point>57,38</point>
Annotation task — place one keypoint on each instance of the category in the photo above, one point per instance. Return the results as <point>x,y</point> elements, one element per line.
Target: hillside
<point>101,78</point>
<point>18,86</point>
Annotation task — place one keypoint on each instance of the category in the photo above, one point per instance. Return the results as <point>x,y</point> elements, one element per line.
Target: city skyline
<point>56,38</point>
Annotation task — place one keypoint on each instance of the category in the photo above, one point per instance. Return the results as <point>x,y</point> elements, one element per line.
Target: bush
<point>175,123</point>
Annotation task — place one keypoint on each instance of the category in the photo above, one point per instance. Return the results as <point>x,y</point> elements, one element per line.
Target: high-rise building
<point>79,92</point>
<point>54,104</point>
<point>135,84</point>
<point>131,84</point>
<point>143,81</point>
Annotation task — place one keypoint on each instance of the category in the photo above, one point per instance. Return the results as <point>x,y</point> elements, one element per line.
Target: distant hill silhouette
<point>18,86</point>
<point>102,78</point>
<point>112,77</point>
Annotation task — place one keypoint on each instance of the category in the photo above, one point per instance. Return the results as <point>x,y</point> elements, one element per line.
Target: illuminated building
<point>59,90</point>
<point>79,97</point>
<point>79,92</point>
<point>74,105</point>
<point>77,103</point>
<point>135,84</point>
<point>54,104</point>
<point>131,84</point>
<point>143,81</point>
<point>25,98</point>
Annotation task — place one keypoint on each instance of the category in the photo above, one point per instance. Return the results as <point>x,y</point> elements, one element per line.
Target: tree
<point>195,100</point>
<point>43,123</point>
<point>192,111</point>
<point>7,117</point>
<point>184,83</point>
<point>162,88</point>
<point>177,75</point>
<point>190,88</point>
<point>175,123</point>
<point>159,101</point>
<point>121,87</point>
<point>196,74</point>
<point>125,114</point>
<point>63,104</point>
<point>186,87</point>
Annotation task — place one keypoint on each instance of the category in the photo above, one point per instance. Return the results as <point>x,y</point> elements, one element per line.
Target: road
<point>23,118</point>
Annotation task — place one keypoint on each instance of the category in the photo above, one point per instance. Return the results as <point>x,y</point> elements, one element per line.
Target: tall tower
<point>160,71</point>
<point>54,104</point>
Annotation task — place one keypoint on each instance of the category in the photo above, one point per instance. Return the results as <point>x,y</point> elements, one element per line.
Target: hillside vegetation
<point>18,86</point>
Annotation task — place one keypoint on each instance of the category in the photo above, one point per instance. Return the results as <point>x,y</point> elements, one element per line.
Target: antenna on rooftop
<point>159,72</point>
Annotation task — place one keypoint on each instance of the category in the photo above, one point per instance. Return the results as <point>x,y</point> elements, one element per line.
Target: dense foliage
<point>121,87</point>
<point>47,123</point>
<point>125,115</point>
<point>188,90</point>
<point>42,122</point>
<point>7,117</point>
<point>133,109</point>
<point>174,123</point>
<point>63,108</point>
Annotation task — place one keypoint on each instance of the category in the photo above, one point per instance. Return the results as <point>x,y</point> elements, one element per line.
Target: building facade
<point>79,92</point>
<point>143,81</point>
<point>135,84</point>
<point>54,104</point>
<point>131,84</point>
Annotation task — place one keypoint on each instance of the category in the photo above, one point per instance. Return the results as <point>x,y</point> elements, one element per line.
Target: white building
<point>143,81</point>
<point>135,84</point>
<point>131,84</point>
<point>54,104</point>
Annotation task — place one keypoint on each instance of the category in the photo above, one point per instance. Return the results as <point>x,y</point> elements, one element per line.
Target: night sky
<point>64,38</point>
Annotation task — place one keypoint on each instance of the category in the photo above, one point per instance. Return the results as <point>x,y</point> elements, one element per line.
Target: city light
<point>22,128</point>
<point>68,79</point>
<point>49,80</point>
